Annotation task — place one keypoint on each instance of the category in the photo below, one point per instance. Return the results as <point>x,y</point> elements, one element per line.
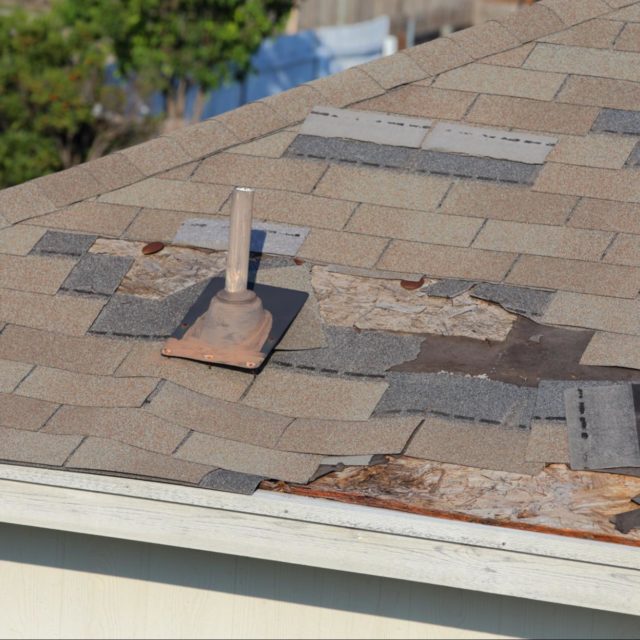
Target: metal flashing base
<point>283,305</point>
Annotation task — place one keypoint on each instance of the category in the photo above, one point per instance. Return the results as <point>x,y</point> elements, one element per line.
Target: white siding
<point>55,584</point>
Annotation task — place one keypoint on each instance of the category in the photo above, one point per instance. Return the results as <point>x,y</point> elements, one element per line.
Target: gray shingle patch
<point>462,397</point>
<point>453,164</point>
<point>625,522</point>
<point>634,158</point>
<point>601,424</point>
<point>231,482</point>
<point>491,143</point>
<point>365,153</point>
<point>127,315</point>
<point>618,121</point>
<point>447,288</point>
<point>550,404</point>
<point>358,353</point>
<point>67,244</point>
<point>98,274</point>
<point>266,237</point>
<point>531,302</point>
<point>368,126</point>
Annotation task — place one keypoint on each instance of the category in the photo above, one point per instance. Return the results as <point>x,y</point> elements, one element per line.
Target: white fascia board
<point>329,535</point>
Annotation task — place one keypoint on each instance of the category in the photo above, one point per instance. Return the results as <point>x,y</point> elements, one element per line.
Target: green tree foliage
<point>174,45</point>
<point>55,108</point>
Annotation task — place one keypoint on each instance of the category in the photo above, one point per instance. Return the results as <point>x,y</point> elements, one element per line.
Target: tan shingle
<point>86,354</point>
<point>625,250</point>
<point>484,39</point>
<point>543,240</point>
<point>69,186</point>
<point>598,34</point>
<point>19,412</point>
<point>294,105</point>
<point>606,215</point>
<point>533,115</point>
<point>280,173</point>
<point>620,65</point>
<point>100,454</point>
<point>392,71</point>
<point>145,359</point>
<point>31,447</point>
<point>601,92</point>
<point>587,181</point>
<point>247,458</point>
<point>66,387</point>
<point>612,350</point>
<point>387,188</point>
<point>271,146</point>
<point>572,12</point>
<point>438,56</point>
<point>421,101</point>
<point>24,201</point>
<point>19,239</point>
<point>310,396</point>
<point>413,225</point>
<point>351,249</point>
<point>629,39</point>
<point>70,315</point>
<point>113,171</point>
<point>216,417</point>
<point>300,209</point>
<point>346,87</point>
<point>11,373</point>
<point>152,225</point>
<point>532,23</point>
<point>446,262</point>
<point>129,426</point>
<point>485,78</point>
<point>33,273</point>
<point>594,312</point>
<point>94,217</point>
<point>348,438</point>
<point>199,140</point>
<point>512,58</point>
<point>628,14</point>
<point>605,151</point>
<point>252,120</point>
<point>156,155</point>
<point>576,275</point>
<point>507,203</point>
<point>155,193</point>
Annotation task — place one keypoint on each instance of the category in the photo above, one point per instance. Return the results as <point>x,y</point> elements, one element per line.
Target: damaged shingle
<point>448,288</point>
<point>625,522</point>
<point>519,299</point>
<point>97,274</point>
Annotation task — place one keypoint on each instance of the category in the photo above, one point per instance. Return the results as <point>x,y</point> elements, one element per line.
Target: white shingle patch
<point>266,237</point>
<point>490,143</point>
<point>367,126</point>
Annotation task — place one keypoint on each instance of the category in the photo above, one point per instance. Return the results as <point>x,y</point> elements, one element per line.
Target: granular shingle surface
<point>495,166</point>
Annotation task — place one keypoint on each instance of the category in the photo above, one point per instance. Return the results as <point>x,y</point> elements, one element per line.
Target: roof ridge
<point>254,120</point>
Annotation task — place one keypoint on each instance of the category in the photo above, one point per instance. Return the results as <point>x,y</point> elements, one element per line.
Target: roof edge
<point>287,528</point>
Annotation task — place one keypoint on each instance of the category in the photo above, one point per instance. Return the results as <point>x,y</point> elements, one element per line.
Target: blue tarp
<point>286,61</point>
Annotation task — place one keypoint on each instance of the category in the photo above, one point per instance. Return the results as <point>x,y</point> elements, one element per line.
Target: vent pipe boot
<point>236,326</point>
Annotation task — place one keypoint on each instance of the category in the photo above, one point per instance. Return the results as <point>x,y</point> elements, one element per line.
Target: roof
<point>473,309</point>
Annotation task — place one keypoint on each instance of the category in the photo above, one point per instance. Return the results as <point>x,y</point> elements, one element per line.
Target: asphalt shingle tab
<point>126,315</point>
<point>618,121</point>
<point>34,447</point>
<point>460,397</point>
<point>97,274</point>
<point>66,244</point>
<point>350,351</point>
<point>11,374</point>
<point>519,299</point>
<point>19,412</point>
<point>231,481</point>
